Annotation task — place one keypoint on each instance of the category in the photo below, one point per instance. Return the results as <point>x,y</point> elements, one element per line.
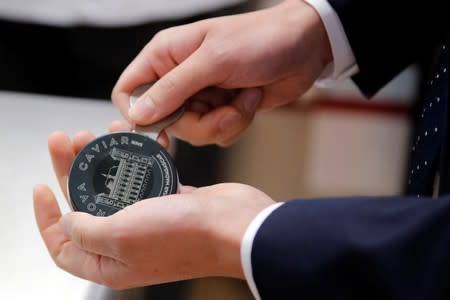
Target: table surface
<point>26,120</point>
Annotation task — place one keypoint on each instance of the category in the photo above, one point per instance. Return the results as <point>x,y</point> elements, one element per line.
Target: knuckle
<point>205,136</point>
<point>218,55</point>
<point>80,236</point>
<point>226,143</point>
<point>159,44</point>
<point>228,140</point>
<point>228,137</point>
<point>160,38</point>
<point>164,35</point>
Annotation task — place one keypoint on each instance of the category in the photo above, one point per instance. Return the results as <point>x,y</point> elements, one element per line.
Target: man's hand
<point>192,234</point>
<point>226,68</point>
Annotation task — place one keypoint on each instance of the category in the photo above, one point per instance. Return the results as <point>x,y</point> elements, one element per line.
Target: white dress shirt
<point>343,66</point>
<point>105,12</point>
<point>344,62</point>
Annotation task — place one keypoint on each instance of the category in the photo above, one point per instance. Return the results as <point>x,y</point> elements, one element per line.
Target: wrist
<point>225,221</point>
<point>223,239</point>
<point>227,227</point>
<point>323,41</point>
<point>312,32</point>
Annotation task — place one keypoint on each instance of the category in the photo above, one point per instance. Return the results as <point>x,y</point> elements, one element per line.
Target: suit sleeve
<point>357,248</point>
<point>388,37</point>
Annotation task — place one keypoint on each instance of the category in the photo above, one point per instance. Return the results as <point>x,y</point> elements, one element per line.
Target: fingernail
<point>252,102</point>
<point>142,110</point>
<point>229,120</point>
<point>65,225</point>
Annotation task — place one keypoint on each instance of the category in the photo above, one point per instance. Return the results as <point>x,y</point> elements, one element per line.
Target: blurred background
<point>56,73</point>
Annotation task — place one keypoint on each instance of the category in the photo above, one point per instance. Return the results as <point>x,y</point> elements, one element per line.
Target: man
<point>359,248</point>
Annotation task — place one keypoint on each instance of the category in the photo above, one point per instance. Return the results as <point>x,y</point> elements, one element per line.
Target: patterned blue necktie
<point>428,142</point>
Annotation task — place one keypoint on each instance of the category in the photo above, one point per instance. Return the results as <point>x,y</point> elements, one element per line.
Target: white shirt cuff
<point>247,244</point>
<point>344,63</point>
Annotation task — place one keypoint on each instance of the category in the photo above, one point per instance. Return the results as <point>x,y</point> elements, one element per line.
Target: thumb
<point>174,88</point>
<point>88,232</point>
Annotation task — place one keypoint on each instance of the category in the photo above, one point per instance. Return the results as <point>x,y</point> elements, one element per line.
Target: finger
<point>163,139</point>
<point>283,92</point>
<point>138,72</point>
<point>210,98</point>
<point>247,102</point>
<point>89,232</point>
<point>62,155</point>
<point>214,96</point>
<point>174,88</point>
<point>47,215</point>
<point>167,49</point>
<point>97,268</point>
<point>199,107</point>
<point>66,254</point>
<point>118,126</point>
<point>220,126</point>
<point>185,189</point>
<point>203,129</point>
<point>81,139</point>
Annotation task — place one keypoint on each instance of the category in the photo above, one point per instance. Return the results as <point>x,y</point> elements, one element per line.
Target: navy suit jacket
<point>366,247</point>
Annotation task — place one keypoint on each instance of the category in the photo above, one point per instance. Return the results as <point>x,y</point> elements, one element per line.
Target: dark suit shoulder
<point>386,37</point>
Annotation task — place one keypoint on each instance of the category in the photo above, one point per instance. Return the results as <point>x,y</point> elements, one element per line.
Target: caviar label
<point>117,170</point>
